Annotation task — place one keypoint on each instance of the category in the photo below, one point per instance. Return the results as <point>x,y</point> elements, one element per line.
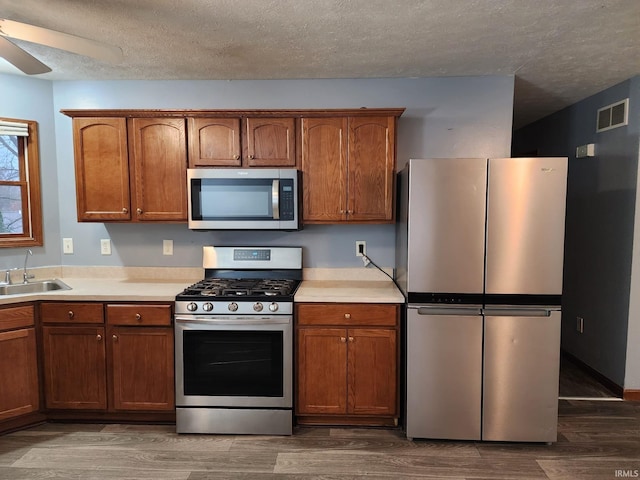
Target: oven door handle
<point>234,320</point>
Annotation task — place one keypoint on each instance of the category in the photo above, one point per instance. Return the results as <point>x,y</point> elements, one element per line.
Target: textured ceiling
<point>560,51</point>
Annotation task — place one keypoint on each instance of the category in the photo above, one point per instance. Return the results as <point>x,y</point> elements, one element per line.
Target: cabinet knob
<point>115,338</point>
<point>351,339</point>
<point>236,157</point>
<point>347,315</point>
<point>138,317</point>
<point>139,211</point>
<point>98,337</point>
<point>343,339</point>
<point>252,157</point>
<point>70,313</point>
<point>125,210</point>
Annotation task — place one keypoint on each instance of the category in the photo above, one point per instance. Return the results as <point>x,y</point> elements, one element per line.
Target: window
<point>20,204</point>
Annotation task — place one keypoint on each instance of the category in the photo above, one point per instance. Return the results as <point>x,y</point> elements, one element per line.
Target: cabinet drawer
<point>72,312</point>
<point>131,314</point>
<point>16,317</point>
<point>347,314</point>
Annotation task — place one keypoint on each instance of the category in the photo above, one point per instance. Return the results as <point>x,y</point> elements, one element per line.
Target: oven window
<point>233,363</point>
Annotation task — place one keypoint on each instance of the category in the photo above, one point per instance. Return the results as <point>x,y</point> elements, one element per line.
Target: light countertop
<point>140,284</point>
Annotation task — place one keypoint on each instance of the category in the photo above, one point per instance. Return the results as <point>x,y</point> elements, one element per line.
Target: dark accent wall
<point>601,196</point>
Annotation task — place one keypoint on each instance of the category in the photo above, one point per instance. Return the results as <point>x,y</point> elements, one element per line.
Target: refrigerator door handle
<point>465,311</point>
<point>517,312</point>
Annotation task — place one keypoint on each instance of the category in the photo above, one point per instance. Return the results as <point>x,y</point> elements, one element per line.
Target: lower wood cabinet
<point>347,364</point>
<point>74,367</point>
<point>19,392</point>
<point>125,364</point>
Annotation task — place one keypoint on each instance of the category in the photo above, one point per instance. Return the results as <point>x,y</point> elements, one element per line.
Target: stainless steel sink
<point>34,287</point>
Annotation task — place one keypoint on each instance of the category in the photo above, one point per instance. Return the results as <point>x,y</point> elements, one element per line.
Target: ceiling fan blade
<point>63,41</point>
<point>21,59</point>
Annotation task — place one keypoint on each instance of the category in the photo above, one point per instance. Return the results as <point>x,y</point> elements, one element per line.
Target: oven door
<point>234,361</point>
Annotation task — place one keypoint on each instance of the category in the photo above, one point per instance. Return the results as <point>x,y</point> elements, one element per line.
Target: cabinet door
<point>324,164</point>
<point>142,368</point>
<point>102,169</point>
<point>74,368</point>
<point>372,372</point>
<point>270,142</point>
<point>214,142</point>
<point>159,157</point>
<point>322,371</point>
<point>371,169</point>
<point>19,373</point>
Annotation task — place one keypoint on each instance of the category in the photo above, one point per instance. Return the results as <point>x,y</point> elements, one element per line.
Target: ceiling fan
<point>43,36</point>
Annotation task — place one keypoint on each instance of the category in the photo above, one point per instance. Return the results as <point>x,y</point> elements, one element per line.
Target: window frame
<point>30,190</point>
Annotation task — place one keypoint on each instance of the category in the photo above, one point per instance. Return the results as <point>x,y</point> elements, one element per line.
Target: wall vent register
<point>613,116</point>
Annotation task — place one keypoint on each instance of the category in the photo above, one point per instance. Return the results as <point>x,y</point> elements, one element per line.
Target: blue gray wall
<point>601,199</point>
<point>32,99</point>
<point>445,117</point>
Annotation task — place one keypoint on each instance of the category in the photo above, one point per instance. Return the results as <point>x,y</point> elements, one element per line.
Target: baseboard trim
<point>610,384</point>
<point>632,395</point>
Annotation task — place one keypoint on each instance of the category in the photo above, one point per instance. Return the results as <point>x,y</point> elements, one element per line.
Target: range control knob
<point>233,306</point>
<point>192,307</point>
<point>257,307</point>
<point>207,307</point>
<point>273,307</point>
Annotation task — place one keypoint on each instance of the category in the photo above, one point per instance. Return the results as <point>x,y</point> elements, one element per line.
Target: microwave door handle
<point>275,198</point>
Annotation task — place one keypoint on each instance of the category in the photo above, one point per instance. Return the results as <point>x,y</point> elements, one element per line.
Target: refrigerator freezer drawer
<point>444,375</point>
<point>521,374</point>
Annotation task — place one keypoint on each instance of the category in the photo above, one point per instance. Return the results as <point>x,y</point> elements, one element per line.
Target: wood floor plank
<point>357,443</point>
<point>126,440</point>
<point>393,466</point>
<point>76,474</point>
<point>95,459</point>
<point>591,469</point>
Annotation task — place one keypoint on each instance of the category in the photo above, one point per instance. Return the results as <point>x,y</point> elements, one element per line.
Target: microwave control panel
<point>287,199</point>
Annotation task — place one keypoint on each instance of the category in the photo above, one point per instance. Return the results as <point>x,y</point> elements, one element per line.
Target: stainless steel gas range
<point>234,342</point>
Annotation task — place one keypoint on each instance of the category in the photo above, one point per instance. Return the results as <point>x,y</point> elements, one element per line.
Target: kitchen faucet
<point>25,275</point>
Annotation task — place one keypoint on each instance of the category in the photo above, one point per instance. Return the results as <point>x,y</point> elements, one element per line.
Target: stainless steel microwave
<point>243,199</point>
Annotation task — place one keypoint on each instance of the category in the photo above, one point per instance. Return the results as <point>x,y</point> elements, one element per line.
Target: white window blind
<point>14,128</point>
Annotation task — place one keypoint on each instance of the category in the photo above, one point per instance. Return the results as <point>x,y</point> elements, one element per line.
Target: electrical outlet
<point>580,324</point>
<point>167,247</point>
<point>105,246</point>
<point>67,246</point>
<point>361,248</point>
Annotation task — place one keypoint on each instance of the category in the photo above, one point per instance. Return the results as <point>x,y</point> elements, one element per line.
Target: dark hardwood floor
<point>597,440</point>
<point>578,382</point>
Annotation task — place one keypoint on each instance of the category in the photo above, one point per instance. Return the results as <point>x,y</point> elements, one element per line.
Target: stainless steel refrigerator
<point>480,259</point>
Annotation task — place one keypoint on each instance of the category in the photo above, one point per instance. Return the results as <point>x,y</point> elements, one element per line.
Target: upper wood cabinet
<point>102,169</point>
<point>158,151</point>
<point>131,164</point>
<point>242,142</point>
<point>130,169</point>
<point>348,166</point>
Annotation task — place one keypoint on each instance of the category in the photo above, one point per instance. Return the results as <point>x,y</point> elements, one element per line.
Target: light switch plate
<point>167,247</point>
<point>105,246</point>
<point>67,246</point>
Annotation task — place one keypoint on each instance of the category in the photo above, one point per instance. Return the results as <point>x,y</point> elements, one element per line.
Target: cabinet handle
<point>98,337</point>
<point>251,157</point>
<point>139,210</point>
<point>347,315</point>
<point>70,313</point>
<point>351,339</point>
<point>115,338</point>
<point>236,157</point>
<point>125,210</point>
<point>343,339</point>
<point>138,317</point>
